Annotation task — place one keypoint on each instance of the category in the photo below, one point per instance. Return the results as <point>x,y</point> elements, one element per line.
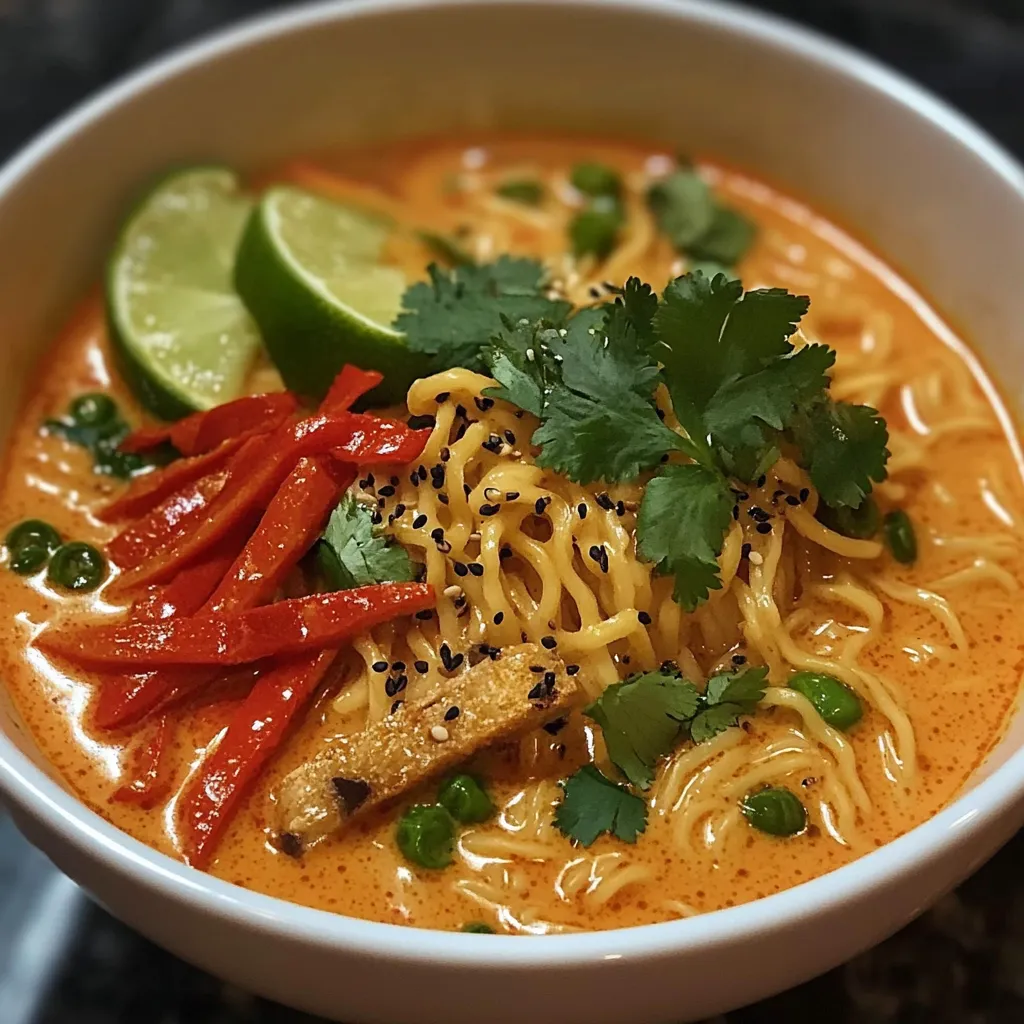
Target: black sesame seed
<point>605,502</point>
<point>421,471</point>
<point>736,512</point>
<point>369,480</point>
<point>395,685</point>
<point>446,454</point>
<point>421,666</point>
<point>394,481</point>
<point>664,458</point>
<point>399,510</point>
<point>437,534</point>
<point>739,659</point>
<point>804,493</point>
<point>555,727</point>
<point>442,396</point>
<point>460,410</point>
<point>571,670</point>
<point>499,618</point>
<point>363,485</point>
<point>386,491</point>
<point>745,551</point>
<point>537,669</point>
<point>451,714</point>
<point>511,495</point>
<point>645,619</point>
<point>425,614</point>
<point>761,480</point>
<point>476,568</point>
<point>620,508</point>
<point>446,656</point>
<point>460,568</point>
<point>549,681</point>
<point>397,704</point>
<point>376,518</point>
<point>764,527</point>
<point>549,642</point>
<point>443,498</point>
<point>505,552</point>
<point>510,437</point>
<point>792,500</point>
<point>381,503</point>
<point>581,510</point>
<point>537,692</point>
<point>467,490</point>
<point>600,555</point>
<point>398,666</point>
<point>483,404</point>
<point>492,444</point>
<point>489,510</point>
<point>379,666</point>
<point>457,660</point>
<point>420,521</point>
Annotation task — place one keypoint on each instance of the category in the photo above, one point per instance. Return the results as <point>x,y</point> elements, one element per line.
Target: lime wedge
<point>185,338</point>
<point>309,271</point>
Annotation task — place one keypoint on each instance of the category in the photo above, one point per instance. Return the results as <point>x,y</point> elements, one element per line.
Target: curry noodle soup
<point>370,661</point>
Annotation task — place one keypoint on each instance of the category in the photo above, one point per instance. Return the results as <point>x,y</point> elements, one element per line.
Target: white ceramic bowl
<point>926,188</point>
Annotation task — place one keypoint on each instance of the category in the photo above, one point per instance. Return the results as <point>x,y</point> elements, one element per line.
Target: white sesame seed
<point>756,558</point>
<point>452,591</point>
<point>439,733</point>
<point>531,355</point>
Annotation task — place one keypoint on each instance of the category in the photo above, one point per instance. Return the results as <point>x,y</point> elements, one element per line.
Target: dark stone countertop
<point>65,961</point>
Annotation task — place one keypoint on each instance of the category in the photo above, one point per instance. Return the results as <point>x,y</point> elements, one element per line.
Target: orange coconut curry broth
<point>930,645</point>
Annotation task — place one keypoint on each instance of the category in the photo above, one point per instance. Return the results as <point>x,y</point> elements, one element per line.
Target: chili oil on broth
<point>935,649</point>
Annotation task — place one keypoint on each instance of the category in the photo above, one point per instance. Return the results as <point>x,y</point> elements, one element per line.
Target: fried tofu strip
<point>495,700</point>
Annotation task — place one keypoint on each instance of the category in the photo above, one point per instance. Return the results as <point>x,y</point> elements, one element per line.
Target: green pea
<point>900,536</point>
<point>93,410</point>
<point>775,810</point>
<point>594,179</point>
<point>77,566</point>
<point>522,190</point>
<point>860,523</point>
<point>478,928</point>
<point>426,835</point>
<point>593,231</point>
<point>834,701</point>
<point>28,560</point>
<point>465,799</point>
<point>32,533</point>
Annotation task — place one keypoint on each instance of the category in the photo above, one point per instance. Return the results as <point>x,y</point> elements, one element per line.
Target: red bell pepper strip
<point>293,521</point>
<point>309,623</point>
<point>150,780</point>
<point>349,386</point>
<point>256,476</point>
<point>146,492</point>
<point>255,732</point>
<point>125,699</point>
<point>139,542</point>
<point>203,431</point>
<point>291,524</point>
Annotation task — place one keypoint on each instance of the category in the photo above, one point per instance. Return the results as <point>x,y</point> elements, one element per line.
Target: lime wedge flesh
<point>185,338</point>
<point>309,271</point>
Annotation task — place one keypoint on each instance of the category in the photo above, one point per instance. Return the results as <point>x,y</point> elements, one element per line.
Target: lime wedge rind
<point>310,272</point>
<point>185,339</point>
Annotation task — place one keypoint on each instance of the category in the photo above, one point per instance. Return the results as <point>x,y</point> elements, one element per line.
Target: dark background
<point>64,961</point>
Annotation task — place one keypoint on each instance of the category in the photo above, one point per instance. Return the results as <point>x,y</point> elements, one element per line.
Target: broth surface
<point>965,501</point>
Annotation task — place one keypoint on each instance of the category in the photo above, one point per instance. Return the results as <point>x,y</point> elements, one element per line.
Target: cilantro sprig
<point>351,553</point>
<point>643,719</point>
<point>741,392</point>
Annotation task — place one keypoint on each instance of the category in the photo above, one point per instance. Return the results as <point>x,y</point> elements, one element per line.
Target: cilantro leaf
<point>681,525</point>
<point>844,450</point>
<point>351,555</point>
<point>759,328</point>
<point>726,240</point>
<point>593,438</point>
<point>727,697</point>
<point>683,207</point>
<point>594,805</point>
<point>688,213</point>
<point>518,360</point>
<point>454,315</point>
<point>642,719</point>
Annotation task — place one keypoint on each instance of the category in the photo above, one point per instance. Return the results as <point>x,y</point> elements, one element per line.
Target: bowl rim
<point>40,796</point>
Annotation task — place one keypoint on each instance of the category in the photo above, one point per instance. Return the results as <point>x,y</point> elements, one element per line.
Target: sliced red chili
<point>149,778</point>
<point>255,732</point>
<point>309,623</point>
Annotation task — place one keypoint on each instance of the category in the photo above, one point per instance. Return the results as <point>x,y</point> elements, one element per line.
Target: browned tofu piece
<point>495,700</point>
